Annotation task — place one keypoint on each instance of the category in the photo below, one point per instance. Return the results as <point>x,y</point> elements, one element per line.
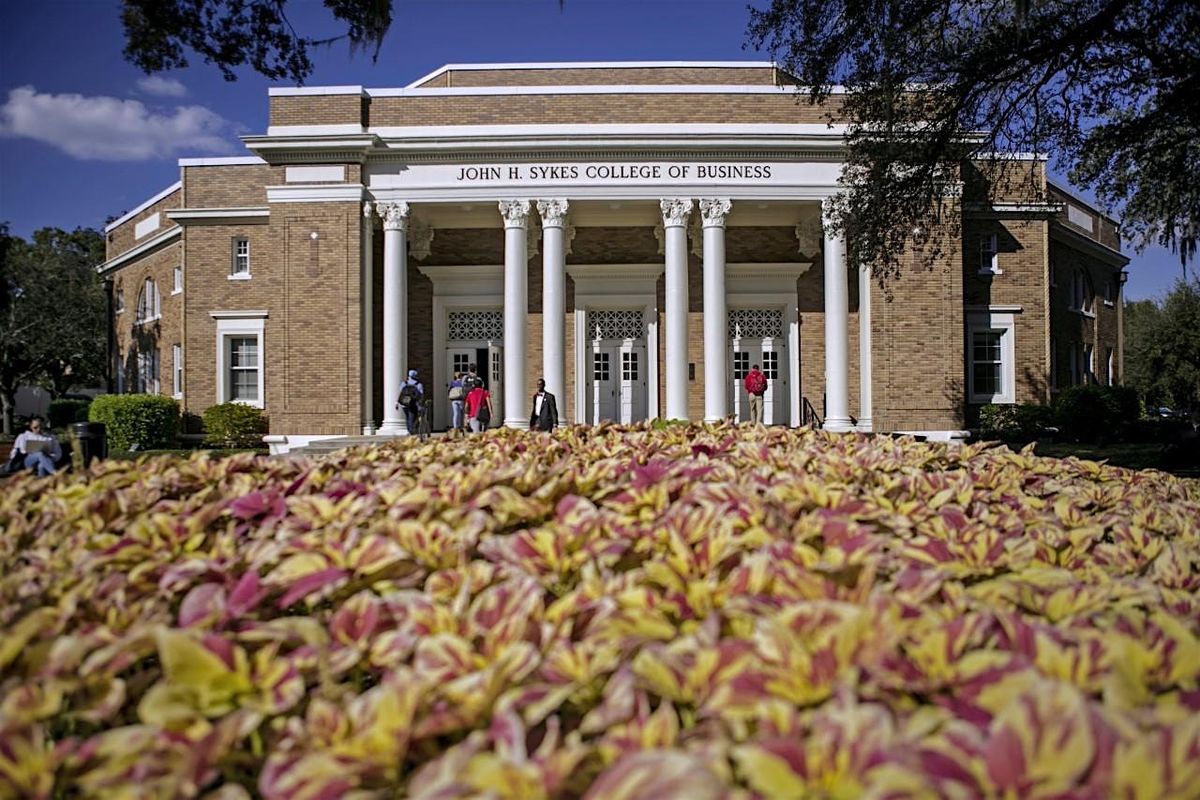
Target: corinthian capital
<point>553,212</point>
<point>675,211</point>
<point>713,211</point>
<point>515,213</point>
<point>394,215</point>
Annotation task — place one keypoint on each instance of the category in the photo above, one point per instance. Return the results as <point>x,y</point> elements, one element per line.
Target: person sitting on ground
<point>36,449</point>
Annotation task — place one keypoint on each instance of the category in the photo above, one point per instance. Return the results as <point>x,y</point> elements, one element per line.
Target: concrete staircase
<point>323,447</point>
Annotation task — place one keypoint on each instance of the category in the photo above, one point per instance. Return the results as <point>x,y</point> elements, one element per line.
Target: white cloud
<point>111,129</point>
<point>162,87</point>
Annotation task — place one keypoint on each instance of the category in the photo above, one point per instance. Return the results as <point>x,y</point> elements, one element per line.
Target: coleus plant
<point>604,612</point>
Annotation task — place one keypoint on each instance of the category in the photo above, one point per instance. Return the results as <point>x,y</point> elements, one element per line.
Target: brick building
<point>639,234</point>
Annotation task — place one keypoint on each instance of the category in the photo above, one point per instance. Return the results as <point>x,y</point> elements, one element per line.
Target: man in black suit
<point>545,410</point>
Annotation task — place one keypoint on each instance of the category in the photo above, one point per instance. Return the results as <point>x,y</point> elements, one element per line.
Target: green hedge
<point>1015,423</point>
<point>65,411</point>
<point>1096,413</point>
<point>234,425</point>
<point>145,420</point>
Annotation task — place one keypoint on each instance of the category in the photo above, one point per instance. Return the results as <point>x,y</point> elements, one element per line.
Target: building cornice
<point>583,89</point>
<point>128,215</point>
<point>220,216</point>
<point>1089,246</point>
<point>164,238</point>
<point>260,313</point>
<point>222,161</point>
<point>312,149</point>
<point>316,193</point>
<point>993,210</point>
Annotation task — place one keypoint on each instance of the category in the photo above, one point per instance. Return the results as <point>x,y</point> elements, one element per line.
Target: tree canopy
<point>1162,348</point>
<point>53,313</point>
<point>235,33</point>
<point>1107,88</point>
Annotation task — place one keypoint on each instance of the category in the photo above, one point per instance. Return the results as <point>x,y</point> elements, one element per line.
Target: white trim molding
<point>239,323</point>
<point>258,215</point>
<point>128,215</point>
<point>224,161</point>
<point>534,65</point>
<point>317,193</point>
<point>166,237</point>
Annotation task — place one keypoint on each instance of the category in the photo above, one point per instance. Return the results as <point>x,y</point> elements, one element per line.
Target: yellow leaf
<point>768,774</point>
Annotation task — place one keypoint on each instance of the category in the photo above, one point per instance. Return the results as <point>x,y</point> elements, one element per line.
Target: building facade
<point>638,234</point>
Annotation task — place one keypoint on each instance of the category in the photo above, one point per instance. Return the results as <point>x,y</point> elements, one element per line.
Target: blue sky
<point>83,135</point>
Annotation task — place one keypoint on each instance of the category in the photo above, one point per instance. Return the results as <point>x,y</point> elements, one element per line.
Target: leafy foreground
<point>614,613</point>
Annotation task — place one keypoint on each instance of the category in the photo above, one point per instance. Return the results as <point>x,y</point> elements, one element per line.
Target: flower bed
<point>606,612</point>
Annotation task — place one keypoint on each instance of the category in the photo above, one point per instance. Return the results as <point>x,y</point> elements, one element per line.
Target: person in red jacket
<point>756,386</point>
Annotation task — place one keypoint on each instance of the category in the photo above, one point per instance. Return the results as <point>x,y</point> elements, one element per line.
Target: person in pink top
<point>479,408</point>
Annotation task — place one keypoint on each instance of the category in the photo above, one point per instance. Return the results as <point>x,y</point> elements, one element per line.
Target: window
<point>629,366</point>
<point>241,259</point>
<point>741,364</point>
<point>988,264</point>
<point>462,363</point>
<point>243,369</point>
<point>1053,274</point>
<point>177,276</point>
<point>1053,365</point>
<point>148,303</point>
<point>1082,296</point>
<point>991,368</point>
<point>600,371</point>
<point>1111,289</point>
<point>240,357</point>
<point>147,372</point>
<point>770,365</point>
<point>1110,364</point>
<point>177,370</point>
<point>1089,362</point>
<point>119,300</point>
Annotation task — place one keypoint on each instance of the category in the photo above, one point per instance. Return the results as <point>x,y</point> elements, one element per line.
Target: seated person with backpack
<point>35,449</point>
<point>412,393</point>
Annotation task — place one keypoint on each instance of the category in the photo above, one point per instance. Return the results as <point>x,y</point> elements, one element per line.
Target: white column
<point>367,337</point>
<point>716,338</point>
<point>516,299</point>
<point>675,217</point>
<point>864,350</point>
<point>395,312</point>
<point>554,296</point>
<point>837,324</point>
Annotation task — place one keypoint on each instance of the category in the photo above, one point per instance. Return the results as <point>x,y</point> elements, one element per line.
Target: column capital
<point>675,211</point>
<point>713,211</point>
<point>553,212</point>
<point>394,215</point>
<point>515,213</point>
<point>367,210</point>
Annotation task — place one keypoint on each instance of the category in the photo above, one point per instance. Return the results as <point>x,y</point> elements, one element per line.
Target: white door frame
<point>791,336</point>
<point>614,286</point>
<point>457,288</point>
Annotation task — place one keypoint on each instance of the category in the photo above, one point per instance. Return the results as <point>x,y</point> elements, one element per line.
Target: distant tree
<point>1162,348</point>
<point>1108,87</point>
<point>235,33</point>
<point>53,321</point>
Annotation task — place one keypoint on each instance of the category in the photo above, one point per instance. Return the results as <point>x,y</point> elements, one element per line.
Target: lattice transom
<point>616,324</point>
<point>755,323</point>
<point>475,326</point>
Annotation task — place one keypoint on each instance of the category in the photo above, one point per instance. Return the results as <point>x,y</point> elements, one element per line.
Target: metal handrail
<point>808,414</point>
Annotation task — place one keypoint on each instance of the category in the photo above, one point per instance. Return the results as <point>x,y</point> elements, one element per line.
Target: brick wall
<point>1069,327</point>
<point>231,186</point>
<point>160,334</point>
<point>122,238</point>
<point>327,109</point>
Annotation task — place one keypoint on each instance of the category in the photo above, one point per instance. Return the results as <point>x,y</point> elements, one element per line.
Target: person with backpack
<point>479,408</point>
<point>457,395</point>
<point>412,393</point>
<point>756,386</point>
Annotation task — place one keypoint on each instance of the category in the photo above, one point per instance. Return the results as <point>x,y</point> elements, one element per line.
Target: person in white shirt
<point>545,409</point>
<point>39,449</point>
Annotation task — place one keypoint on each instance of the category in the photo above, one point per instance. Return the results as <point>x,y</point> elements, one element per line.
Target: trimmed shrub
<point>65,411</point>
<point>1096,413</point>
<point>1015,423</point>
<point>146,420</point>
<point>234,425</point>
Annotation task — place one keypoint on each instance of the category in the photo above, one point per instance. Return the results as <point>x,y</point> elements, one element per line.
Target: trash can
<point>90,441</point>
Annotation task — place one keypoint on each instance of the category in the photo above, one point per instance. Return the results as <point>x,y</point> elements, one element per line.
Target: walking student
<point>545,409</point>
<point>457,394</point>
<point>479,408</point>
<point>756,386</point>
<point>412,393</point>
